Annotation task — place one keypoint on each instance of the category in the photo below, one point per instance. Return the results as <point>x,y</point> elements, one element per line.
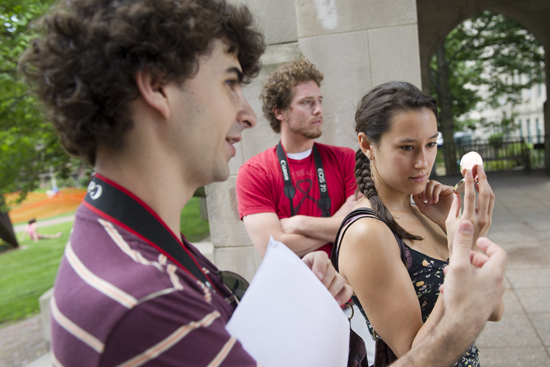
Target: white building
<point>528,117</point>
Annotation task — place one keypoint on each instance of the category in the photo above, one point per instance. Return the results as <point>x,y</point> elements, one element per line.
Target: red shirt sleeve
<point>255,190</point>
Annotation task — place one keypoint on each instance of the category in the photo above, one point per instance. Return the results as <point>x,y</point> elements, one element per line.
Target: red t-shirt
<point>260,185</point>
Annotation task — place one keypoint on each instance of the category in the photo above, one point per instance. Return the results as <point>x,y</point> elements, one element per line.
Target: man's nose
<point>246,115</point>
<point>318,109</point>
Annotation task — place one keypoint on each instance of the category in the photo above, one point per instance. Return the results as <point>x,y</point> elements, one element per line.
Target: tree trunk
<point>6,229</point>
<point>445,104</point>
<point>546,110</point>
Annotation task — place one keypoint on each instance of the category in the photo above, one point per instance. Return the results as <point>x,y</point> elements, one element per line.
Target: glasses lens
<point>236,283</point>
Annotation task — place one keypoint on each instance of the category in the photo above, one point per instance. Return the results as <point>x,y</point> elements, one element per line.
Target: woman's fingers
<point>435,193</point>
<point>430,191</point>
<point>455,207</point>
<point>484,190</point>
<point>469,196</point>
<point>485,202</point>
<point>419,202</point>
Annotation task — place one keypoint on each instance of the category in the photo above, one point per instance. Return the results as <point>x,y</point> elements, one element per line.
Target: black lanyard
<point>290,190</point>
<point>116,204</point>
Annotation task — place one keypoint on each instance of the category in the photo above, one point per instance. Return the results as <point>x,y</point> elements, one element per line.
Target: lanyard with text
<point>115,203</point>
<point>290,190</point>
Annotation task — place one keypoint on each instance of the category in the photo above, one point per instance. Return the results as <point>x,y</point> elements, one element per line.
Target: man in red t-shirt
<point>279,190</point>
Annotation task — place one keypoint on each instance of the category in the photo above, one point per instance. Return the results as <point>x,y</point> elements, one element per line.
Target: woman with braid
<point>393,246</point>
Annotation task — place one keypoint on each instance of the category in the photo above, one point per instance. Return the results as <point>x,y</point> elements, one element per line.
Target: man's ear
<point>365,145</point>
<point>152,92</point>
<point>279,114</point>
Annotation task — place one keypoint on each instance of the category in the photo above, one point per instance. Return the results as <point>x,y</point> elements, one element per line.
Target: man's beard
<point>304,131</point>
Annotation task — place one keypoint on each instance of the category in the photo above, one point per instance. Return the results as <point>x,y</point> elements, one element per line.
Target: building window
<point>537,121</point>
<point>528,130</point>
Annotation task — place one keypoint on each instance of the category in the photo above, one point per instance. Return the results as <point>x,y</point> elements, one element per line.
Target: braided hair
<point>373,118</point>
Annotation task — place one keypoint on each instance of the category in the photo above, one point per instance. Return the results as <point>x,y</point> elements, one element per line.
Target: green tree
<point>28,145</point>
<point>482,51</point>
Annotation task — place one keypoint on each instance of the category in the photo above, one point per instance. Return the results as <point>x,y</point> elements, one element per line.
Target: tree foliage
<point>488,50</point>
<point>28,144</point>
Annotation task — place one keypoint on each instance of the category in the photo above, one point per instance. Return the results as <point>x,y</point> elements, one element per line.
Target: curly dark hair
<point>277,89</point>
<point>373,118</point>
<point>83,64</point>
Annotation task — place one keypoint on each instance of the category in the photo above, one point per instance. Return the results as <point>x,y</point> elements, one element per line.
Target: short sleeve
<point>255,191</point>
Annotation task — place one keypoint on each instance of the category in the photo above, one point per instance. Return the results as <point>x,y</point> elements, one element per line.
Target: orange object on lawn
<point>40,206</point>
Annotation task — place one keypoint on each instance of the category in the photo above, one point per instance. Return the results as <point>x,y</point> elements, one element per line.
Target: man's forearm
<point>444,346</point>
<point>323,229</point>
<point>299,244</point>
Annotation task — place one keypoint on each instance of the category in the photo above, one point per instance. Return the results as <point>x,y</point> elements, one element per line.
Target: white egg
<point>469,160</point>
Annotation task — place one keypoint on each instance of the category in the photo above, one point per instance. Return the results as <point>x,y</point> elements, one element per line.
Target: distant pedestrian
<point>32,231</point>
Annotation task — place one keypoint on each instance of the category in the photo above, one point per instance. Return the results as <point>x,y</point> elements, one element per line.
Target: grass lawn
<point>25,274</point>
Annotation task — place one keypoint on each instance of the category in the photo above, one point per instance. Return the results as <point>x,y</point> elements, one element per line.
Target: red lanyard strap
<point>110,200</point>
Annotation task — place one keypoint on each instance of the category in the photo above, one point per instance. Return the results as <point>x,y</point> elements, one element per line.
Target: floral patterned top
<point>426,275</point>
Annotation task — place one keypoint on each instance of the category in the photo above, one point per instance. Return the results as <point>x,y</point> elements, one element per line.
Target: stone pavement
<point>22,343</point>
<point>521,225</point>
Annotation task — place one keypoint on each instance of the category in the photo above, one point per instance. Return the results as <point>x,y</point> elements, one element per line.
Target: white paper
<point>288,318</point>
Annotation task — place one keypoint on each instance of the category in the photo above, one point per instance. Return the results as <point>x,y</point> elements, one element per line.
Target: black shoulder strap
<point>290,190</point>
<point>324,200</point>
<point>351,218</point>
<point>112,202</point>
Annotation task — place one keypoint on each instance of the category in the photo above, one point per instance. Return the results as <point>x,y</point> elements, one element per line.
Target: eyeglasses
<point>234,282</point>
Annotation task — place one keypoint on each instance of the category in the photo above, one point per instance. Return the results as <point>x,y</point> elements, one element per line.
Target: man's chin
<point>221,175</point>
<point>313,134</point>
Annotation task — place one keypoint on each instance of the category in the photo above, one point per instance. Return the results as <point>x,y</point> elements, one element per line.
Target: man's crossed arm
<point>301,233</point>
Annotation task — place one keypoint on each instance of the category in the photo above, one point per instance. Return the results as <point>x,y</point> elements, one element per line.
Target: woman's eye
<point>432,144</point>
<point>231,82</point>
<point>407,147</point>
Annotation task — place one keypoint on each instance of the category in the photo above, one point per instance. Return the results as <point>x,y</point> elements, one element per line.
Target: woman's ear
<point>365,145</point>
<point>152,92</point>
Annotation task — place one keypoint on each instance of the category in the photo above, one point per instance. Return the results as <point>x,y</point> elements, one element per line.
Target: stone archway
<point>436,19</point>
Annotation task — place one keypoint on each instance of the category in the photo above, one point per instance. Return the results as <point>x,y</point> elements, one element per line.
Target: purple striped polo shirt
<point>119,302</point>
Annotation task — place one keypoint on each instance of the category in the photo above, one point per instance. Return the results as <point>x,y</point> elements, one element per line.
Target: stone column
<point>233,249</point>
<point>357,44</point>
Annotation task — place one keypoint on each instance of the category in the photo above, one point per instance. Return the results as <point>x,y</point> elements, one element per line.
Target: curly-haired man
<point>298,191</point>
<point>286,191</point>
<point>149,93</point>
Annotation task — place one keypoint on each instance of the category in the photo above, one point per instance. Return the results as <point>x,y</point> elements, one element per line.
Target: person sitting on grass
<point>32,230</point>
